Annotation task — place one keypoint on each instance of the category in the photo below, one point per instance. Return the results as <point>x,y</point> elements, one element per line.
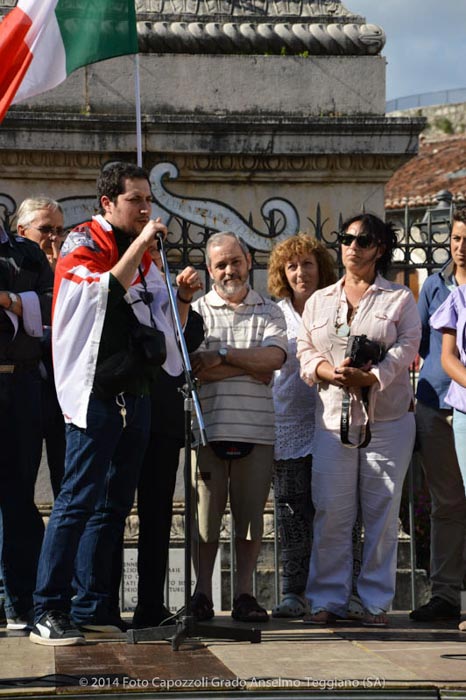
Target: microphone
<point>159,237</point>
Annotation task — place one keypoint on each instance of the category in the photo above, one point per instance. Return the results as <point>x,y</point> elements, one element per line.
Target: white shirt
<point>294,401</point>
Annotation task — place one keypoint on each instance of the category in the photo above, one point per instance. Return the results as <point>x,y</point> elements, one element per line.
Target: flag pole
<point>137,93</point>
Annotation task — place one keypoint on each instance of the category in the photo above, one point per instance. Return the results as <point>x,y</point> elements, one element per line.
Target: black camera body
<point>150,343</point>
<point>361,350</point>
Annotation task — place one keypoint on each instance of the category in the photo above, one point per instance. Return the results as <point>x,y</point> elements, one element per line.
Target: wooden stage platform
<point>406,660</point>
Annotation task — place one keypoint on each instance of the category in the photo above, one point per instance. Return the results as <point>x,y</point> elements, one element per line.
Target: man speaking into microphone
<point>111,332</point>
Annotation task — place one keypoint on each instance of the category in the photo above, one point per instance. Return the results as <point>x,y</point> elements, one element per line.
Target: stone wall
<point>442,120</point>
<point>234,102</point>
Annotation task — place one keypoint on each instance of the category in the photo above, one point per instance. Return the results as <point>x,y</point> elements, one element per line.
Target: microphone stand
<point>187,626</point>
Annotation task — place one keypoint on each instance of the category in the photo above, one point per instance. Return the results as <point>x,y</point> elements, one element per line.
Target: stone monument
<point>244,102</point>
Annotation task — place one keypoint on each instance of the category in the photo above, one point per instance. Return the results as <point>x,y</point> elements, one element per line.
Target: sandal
<point>321,618</point>
<point>355,610</point>
<point>202,608</point>
<point>247,609</point>
<point>375,620</point>
<point>292,605</point>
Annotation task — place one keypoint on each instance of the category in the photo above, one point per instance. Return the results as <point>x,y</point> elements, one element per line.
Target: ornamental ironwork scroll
<point>423,234</point>
<point>280,216</point>
<point>7,209</point>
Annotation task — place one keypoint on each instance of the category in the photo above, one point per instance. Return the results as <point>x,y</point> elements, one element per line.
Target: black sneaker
<point>55,628</point>
<point>435,609</point>
<point>2,614</point>
<point>150,617</point>
<point>110,625</point>
<point>21,622</point>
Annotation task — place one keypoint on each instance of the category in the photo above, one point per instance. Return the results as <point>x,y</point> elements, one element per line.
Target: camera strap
<point>344,420</point>
<point>146,296</point>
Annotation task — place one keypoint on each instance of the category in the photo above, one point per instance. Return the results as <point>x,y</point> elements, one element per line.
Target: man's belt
<point>12,367</point>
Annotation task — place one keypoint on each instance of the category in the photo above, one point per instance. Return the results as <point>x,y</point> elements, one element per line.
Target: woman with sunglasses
<point>365,461</point>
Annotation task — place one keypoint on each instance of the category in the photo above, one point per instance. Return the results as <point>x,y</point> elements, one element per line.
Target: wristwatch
<point>13,299</point>
<point>223,352</point>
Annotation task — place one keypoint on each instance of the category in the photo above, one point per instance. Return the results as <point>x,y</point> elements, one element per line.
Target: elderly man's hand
<point>262,377</point>
<point>205,359</point>
<point>188,282</point>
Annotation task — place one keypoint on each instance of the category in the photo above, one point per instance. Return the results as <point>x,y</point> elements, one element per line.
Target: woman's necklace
<point>342,326</point>
<point>352,311</point>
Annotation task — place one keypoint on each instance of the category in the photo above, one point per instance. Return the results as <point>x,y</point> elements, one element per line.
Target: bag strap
<point>146,298</point>
<point>344,420</point>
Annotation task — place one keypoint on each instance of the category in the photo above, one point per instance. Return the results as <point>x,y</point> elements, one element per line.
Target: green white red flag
<point>43,41</point>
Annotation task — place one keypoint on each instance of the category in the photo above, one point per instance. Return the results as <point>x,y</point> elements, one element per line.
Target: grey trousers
<point>448,515</point>
<point>342,480</point>
<point>295,513</point>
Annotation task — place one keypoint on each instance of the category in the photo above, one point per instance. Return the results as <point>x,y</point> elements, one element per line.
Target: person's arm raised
<point>125,269</point>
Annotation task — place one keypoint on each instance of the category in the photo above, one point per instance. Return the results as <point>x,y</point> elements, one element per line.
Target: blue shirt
<point>433,382</point>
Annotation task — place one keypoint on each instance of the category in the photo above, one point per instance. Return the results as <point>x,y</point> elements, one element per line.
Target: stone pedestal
<point>250,100</point>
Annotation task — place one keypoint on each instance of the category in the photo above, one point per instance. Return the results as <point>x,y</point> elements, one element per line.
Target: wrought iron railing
<point>423,248</point>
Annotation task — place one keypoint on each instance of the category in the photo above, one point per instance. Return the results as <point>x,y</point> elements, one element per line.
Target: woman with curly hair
<point>297,267</point>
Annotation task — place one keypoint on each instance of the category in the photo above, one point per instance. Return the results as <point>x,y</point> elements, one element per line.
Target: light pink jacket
<point>387,313</point>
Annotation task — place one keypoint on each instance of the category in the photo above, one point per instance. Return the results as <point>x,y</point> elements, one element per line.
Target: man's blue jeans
<point>87,521</point>
<point>21,526</point>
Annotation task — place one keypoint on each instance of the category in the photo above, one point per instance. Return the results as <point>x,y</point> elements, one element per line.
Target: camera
<point>361,350</point>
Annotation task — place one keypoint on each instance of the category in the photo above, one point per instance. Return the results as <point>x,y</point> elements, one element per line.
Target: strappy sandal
<point>247,609</point>
<point>375,620</point>
<point>320,619</point>
<point>202,608</point>
<point>292,605</point>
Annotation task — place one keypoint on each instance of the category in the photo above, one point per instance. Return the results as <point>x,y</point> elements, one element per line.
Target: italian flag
<point>43,41</point>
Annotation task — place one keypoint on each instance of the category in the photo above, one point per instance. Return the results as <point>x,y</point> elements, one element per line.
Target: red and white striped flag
<point>43,41</point>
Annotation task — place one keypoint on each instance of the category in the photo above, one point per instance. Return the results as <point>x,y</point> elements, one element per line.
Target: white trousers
<point>341,477</point>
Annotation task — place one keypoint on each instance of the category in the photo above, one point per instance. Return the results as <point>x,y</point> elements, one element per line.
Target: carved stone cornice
<point>201,9</point>
<point>260,38</point>
<point>204,165</point>
<point>204,135</point>
<point>269,9</point>
<point>64,160</point>
<point>193,167</point>
<point>254,27</point>
<point>292,27</point>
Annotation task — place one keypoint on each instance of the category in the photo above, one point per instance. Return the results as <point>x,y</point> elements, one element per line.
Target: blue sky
<point>426,42</point>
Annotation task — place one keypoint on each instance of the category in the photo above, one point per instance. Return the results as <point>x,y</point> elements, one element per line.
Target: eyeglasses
<point>364,240</point>
<point>47,230</point>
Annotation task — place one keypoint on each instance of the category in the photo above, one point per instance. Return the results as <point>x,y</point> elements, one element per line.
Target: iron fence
<point>426,99</point>
<point>423,248</point>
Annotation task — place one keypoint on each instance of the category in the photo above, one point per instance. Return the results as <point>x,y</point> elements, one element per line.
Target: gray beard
<point>230,291</point>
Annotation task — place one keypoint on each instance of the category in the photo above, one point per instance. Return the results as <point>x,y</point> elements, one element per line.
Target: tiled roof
<point>440,165</point>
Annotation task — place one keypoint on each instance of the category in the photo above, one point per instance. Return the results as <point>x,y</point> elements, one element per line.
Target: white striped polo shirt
<point>240,408</point>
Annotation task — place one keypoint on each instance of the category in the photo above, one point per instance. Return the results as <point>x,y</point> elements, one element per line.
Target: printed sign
<point>174,584</point>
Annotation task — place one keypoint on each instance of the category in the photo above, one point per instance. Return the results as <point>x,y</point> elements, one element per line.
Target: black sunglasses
<point>364,240</point>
